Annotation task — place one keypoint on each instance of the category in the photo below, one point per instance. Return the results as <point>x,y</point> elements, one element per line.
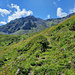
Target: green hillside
<point>48,52</point>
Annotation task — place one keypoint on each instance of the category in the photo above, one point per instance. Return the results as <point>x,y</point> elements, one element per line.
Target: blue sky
<point>45,9</point>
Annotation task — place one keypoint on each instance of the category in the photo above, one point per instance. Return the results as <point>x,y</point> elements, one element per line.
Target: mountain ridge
<point>30,24</point>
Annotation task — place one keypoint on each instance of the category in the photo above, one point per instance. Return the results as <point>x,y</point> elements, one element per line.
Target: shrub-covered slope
<point>50,52</point>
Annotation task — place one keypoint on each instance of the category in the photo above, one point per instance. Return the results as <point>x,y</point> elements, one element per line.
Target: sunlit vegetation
<point>48,52</point>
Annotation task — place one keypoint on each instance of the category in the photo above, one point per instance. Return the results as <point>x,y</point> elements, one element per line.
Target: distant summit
<point>30,24</point>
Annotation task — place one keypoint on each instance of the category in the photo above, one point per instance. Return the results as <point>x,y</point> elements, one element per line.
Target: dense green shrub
<point>37,42</point>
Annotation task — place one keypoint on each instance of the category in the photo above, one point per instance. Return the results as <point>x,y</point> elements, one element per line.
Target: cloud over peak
<point>4,12</point>
<point>48,16</point>
<point>18,13</point>
<point>60,12</point>
<point>2,22</point>
<point>72,10</point>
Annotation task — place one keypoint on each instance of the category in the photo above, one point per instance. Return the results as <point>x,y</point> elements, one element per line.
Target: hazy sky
<point>45,9</point>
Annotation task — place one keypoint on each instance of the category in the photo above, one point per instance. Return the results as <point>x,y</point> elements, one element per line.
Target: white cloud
<point>60,13</point>
<point>2,22</point>
<point>54,3</point>
<point>48,16</point>
<point>18,13</point>
<point>4,12</point>
<point>72,10</point>
<point>58,0</point>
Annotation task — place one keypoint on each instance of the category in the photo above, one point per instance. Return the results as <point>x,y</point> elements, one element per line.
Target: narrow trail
<point>16,45</point>
<point>43,33</point>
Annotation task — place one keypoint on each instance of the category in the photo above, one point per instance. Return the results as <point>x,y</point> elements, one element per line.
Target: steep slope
<point>50,52</point>
<point>30,24</point>
<point>52,22</point>
<point>27,23</point>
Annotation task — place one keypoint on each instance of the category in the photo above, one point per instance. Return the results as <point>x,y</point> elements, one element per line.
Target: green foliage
<point>48,52</point>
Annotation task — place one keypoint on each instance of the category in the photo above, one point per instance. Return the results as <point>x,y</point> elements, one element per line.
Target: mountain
<point>52,22</point>
<point>27,23</point>
<point>48,52</point>
<point>30,24</point>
